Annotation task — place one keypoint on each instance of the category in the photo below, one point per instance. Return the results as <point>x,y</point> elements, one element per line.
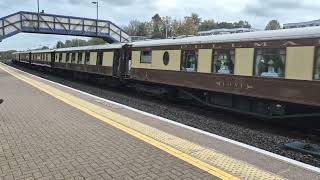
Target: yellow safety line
<point>183,156</point>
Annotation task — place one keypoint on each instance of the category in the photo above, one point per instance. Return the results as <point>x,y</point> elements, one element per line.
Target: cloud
<point>280,8</point>
<point>257,12</point>
<point>111,3</point>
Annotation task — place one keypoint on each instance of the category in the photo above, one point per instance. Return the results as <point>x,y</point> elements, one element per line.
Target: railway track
<point>267,135</point>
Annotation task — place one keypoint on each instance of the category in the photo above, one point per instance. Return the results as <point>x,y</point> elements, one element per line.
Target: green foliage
<point>79,42</point>
<point>44,47</point>
<point>157,26</point>
<point>190,25</point>
<point>211,24</point>
<point>273,25</point>
<point>137,28</point>
<point>6,55</point>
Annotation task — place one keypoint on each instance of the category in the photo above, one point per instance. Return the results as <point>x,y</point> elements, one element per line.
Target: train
<point>270,74</point>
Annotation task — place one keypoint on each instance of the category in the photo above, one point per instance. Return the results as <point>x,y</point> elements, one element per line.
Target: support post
<point>38,3</point>
<point>97,17</point>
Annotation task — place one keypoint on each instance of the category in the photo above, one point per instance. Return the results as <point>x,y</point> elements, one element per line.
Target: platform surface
<point>48,131</point>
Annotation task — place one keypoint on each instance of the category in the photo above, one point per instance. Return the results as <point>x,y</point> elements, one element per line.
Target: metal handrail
<point>31,22</point>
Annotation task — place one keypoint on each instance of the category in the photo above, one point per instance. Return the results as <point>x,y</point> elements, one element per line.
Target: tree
<point>196,20</point>
<point>167,24</point>
<point>273,25</point>
<point>189,26</point>
<point>156,28</point>
<point>156,24</point>
<point>95,41</point>
<point>59,44</point>
<point>211,24</point>
<point>207,25</point>
<point>44,47</point>
<point>142,29</point>
<point>5,55</point>
<point>241,24</point>
<point>176,28</point>
<point>131,29</point>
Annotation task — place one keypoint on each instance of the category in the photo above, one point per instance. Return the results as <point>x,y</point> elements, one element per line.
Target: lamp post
<point>166,26</point>
<point>38,4</point>
<point>97,3</point>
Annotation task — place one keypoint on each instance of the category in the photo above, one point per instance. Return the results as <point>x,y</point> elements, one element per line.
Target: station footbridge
<point>41,23</point>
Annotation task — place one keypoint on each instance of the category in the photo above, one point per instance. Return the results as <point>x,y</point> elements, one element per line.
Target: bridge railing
<point>31,22</point>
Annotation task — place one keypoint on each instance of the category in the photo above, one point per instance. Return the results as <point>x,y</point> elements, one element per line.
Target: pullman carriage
<point>270,73</point>
<point>267,73</point>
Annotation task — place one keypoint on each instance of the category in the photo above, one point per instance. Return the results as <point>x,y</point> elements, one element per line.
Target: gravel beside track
<point>252,131</point>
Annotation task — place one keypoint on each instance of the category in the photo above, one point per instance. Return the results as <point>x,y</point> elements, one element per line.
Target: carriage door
<point>30,57</point>
<point>124,62</point>
<point>128,62</point>
<point>53,58</point>
<point>116,63</point>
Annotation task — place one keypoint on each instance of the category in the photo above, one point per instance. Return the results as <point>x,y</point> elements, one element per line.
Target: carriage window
<point>166,58</point>
<point>79,57</point>
<point>146,57</point>
<point>87,57</point>
<point>73,57</point>
<point>99,58</point>
<point>223,61</point>
<point>270,62</point>
<point>189,60</point>
<point>60,57</point>
<point>67,57</point>
<point>317,65</point>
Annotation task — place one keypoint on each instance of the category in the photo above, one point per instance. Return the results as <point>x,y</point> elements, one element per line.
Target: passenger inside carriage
<point>270,63</point>
<point>189,61</point>
<point>223,62</point>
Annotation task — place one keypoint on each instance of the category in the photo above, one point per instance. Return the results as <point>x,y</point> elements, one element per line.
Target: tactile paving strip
<point>235,167</point>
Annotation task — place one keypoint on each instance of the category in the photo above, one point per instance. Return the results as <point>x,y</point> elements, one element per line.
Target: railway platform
<point>50,131</point>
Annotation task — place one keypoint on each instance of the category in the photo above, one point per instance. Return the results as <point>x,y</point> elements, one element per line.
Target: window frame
<point>79,57</point>
<point>60,57</point>
<point>166,58</point>
<point>67,57</point>
<point>213,70</point>
<point>73,57</point>
<point>99,61</point>
<point>316,56</point>
<point>267,48</point>
<point>183,62</point>
<point>141,54</point>
<point>87,57</point>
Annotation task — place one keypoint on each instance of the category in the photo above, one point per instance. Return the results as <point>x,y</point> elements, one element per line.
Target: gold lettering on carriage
<point>235,85</point>
<point>217,47</point>
<point>236,46</point>
<point>289,43</point>
<point>261,44</point>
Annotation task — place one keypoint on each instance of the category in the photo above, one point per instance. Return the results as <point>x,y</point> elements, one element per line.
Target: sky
<point>256,12</point>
